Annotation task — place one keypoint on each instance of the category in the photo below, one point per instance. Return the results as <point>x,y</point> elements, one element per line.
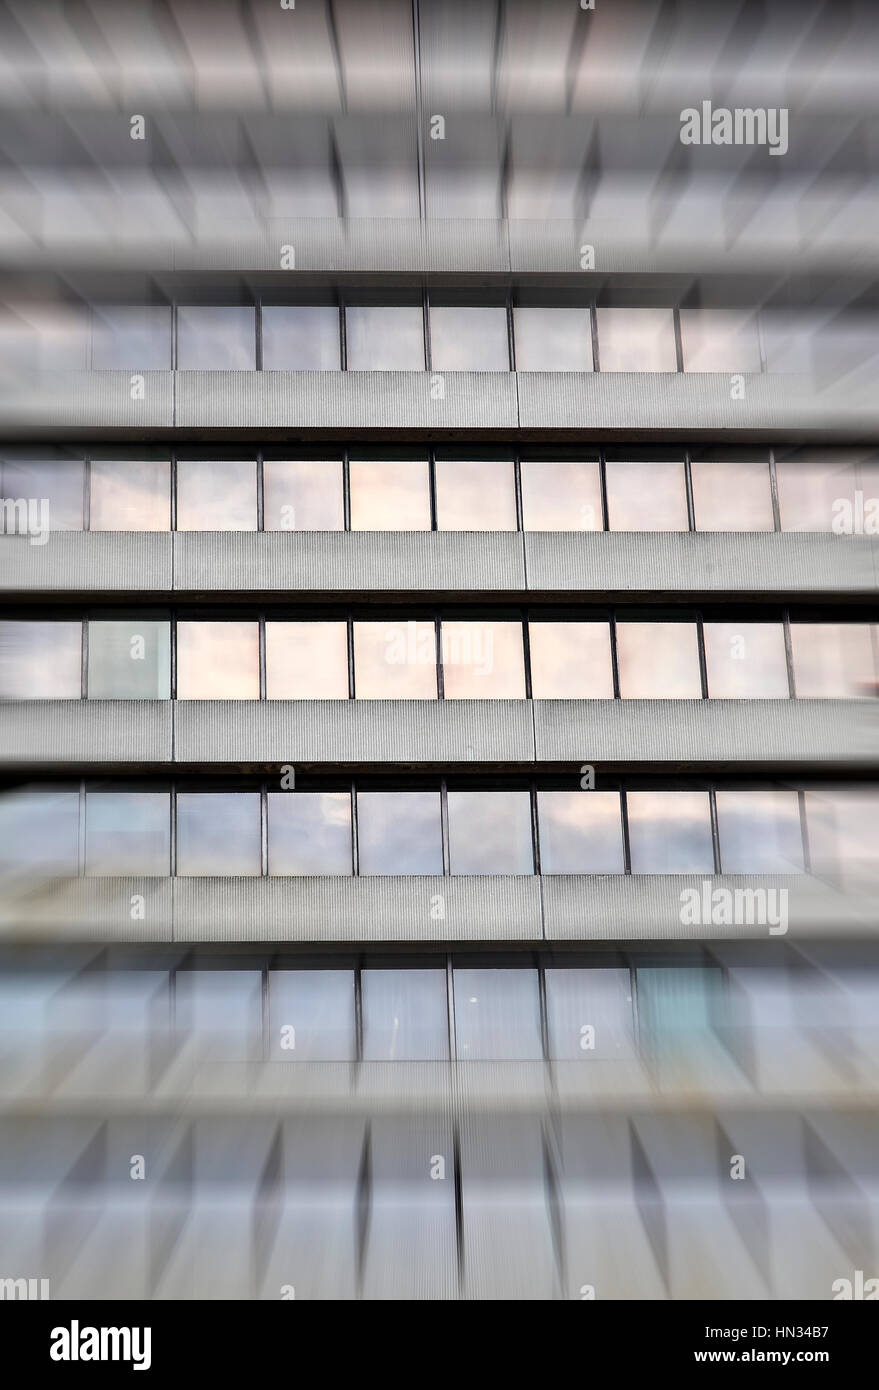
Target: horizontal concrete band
<point>304,564</point>
<point>438,733</point>
<point>436,910</point>
<point>200,404</point>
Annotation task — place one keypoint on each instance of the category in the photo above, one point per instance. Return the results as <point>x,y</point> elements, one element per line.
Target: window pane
<point>129,660</point>
<point>216,496</point>
<point>399,832</point>
<point>306,661</point>
<point>469,339</point>
<point>300,338</point>
<point>475,496</point>
<point>221,1011</point>
<point>553,340</point>
<point>580,832</point>
<point>483,661</point>
<point>405,1015</point>
<point>646,497</point>
<point>636,340</point>
<point>497,1015</point>
<point>389,496</point>
<point>309,832</point>
<point>589,1013</point>
<point>53,491</point>
<point>218,833</point>
<point>570,661</point>
<point>658,661</point>
<point>719,340</point>
<point>132,337</point>
<point>670,833</point>
<point>314,1011</point>
<point>127,833</point>
<point>812,493</point>
<point>746,661</point>
<point>759,832</point>
<point>732,496</point>
<point>216,338</point>
<point>833,661</point>
<point>39,833</point>
<point>395,661</point>
<point>677,1007</point>
<point>303,495</point>
<point>40,661</point>
<point>561,496</point>
<point>217,661</point>
<point>490,833</point>
<point>385,339</point>
<point>130,496</point>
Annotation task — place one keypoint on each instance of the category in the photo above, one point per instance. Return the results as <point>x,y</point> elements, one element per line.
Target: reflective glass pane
<point>39,833</point>
<point>746,661</point>
<point>389,496</point>
<point>490,833</point>
<point>300,338</point>
<point>483,661</point>
<point>553,340</point>
<point>670,832</point>
<point>759,832</point>
<point>303,495</point>
<point>309,832</point>
<point>40,661</point>
<point>216,337</point>
<point>312,1015</point>
<point>636,340</point>
<point>385,339</point>
<point>815,494</point>
<point>218,833</point>
<point>646,497</point>
<point>405,1015</point>
<point>732,496</point>
<point>127,833</point>
<point>833,661</point>
<point>719,340</point>
<point>497,1015</point>
<point>395,661</point>
<point>52,491</point>
<point>399,832</point>
<point>221,1012</point>
<point>306,661</point>
<point>561,496</point>
<point>471,339</point>
<point>658,661</point>
<point>130,496</point>
<point>217,496</point>
<point>478,496</point>
<point>677,1007</point>
<point>135,337</point>
<point>581,832</point>
<point>570,661</point>
<point>129,660</point>
<point>589,1013</point>
<point>217,661</point>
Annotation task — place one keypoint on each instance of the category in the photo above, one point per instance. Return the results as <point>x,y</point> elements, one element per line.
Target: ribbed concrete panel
<point>647,907</point>
<point>41,402</point>
<point>88,909</point>
<point>707,731</point>
<point>649,562</point>
<point>87,561</point>
<point>697,404</point>
<point>409,402</point>
<point>342,561</point>
<point>353,731</point>
<point>394,908</point>
<point>41,733</point>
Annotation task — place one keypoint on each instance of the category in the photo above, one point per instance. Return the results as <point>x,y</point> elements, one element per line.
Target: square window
<point>759,832</point>
<point>389,496</point>
<point>216,338</point>
<point>131,337</point>
<point>218,833</point>
<point>479,496</point>
<point>129,660</point>
<point>589,1014</point>
<point>306,661</point>
<point>130,496</point>
<point>670,832</point>
<point>471,339</point>
<point>490,833</point>
<point>40,661</point>
<point>570,661</point>
<point>387,338</point>
<point>127,833</point>
<point>553,340</point>
<point>658,661</point>
<point>580,832</point>
<point>314,1011</point>
<point>395,661</point>
<point>216,496</point>
<point>719,340</point>
<point>309,833</point>
<point>636,340</point>
<point>405,1015</point>
<point>217,661</point>
<point>399,832</point>
<point>833,661</point>
<point>647,497</point>
<point>732,496</point>
<point>746,661</point>
<point>303,495</point>
<point>497,1015</point>
<point>483,661</point>
<point>301,338</point>
<point>51,492</point>
<point>561,496</point>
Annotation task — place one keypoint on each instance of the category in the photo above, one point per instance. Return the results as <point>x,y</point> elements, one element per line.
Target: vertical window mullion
<point>715,830</point>
<point>257,324</point>
<point>349,631</point>
<point>535,830</point>
<point>444,828</point>
<point>602,483</point>
<point>679,342</point>
<point>526,656</point>
<point>260,493</point>
<point>346,491</point>
<point>173,818</point>
<point>440,673</point>
<point>773,488</point>
<point>596,361</point>
<point>703,664</point>
<point>688,487</point>
<point>614,660</point>
<point>87,494</point>
<point>789,654</point>
<point>261,628</point>
<point>355,837</point>
<point>84,660</point>
<point>624,821</point>
<point>343,338</point>
<point>263,830</point>
<point>517,485</point>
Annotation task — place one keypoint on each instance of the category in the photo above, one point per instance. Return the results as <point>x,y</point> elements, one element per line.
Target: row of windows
<point>834,494</point>
<point>414,337</point>
<point>440,831</point>
<point>426,659</point>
